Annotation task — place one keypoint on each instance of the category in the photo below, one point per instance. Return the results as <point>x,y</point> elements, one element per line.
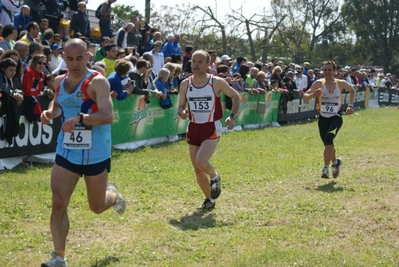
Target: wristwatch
<point>80,117</point>
<point>233,116</point>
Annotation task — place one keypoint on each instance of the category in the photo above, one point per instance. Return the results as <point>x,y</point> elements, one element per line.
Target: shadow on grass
<point>329,188</point>
<point>197,220</point>
<point>108,260</point>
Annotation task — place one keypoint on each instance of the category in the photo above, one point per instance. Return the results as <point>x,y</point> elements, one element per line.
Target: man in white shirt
<point>301,81</point>
<point>56,57</point>
<point>158,56</point>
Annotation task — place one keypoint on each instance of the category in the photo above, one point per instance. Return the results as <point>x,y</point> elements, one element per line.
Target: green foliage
<point>125,11</point>
<point>274,210</point>
<point>375,25</point>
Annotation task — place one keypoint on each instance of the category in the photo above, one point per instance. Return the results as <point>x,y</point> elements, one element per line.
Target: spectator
<point>100,53</point>
<point>22,18</point>
<point>162,84</point>
<point>34,49</point>
<point>301,80</point>
<point>121,85</point>
<point>122,34</point>
<point>55,57</point>
<point>311,78</point>
<point>80,22</point>
<point>10,98</point>
<point>306,67</point>
<point>240,61</point>
<point>158,57</point>
<point>261,81</point>
<point>43,27</point>
<point>63,28</point>
<point>57,39</point>
<point>143,29</point>
<point>134,37</point>
<point>36,9</point>
<point>23,49</point>
<point>212,63</point>
<point>225,60</point>
<point>121,53</point>
<point>53,13</point>
<point>47,52</point>
<point>243,71</point>
<point>33,79</point>
<point>8,7</point>
<point>20,68</point>
<point>276,75</point>
<point>9,34</point>
<point>187,54</point>
<point>48,37</point>
<point>176,44</point>
<point>157,37</point>
<point>187,72</point>
<point>169,47</point>
<point>32,34</point>
<point>110,59</point>
<point>250,80</point>
<point>149,57</point>
<point>106,17</point>
<point>137,75</point>
<point>146,46</point>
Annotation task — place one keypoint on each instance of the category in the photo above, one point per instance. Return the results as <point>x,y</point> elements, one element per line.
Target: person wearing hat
<point>225,60</point>
<point>306,66</point>
<point>80,22</point>
<point>56,57</point>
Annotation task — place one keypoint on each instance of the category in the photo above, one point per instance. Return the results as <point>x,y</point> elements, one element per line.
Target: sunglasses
<point>42,63</point>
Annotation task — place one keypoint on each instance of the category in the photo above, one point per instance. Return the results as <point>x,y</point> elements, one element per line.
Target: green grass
<point>274,210</point>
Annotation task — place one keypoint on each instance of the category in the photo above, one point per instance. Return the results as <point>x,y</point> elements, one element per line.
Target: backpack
<point>97,14</point>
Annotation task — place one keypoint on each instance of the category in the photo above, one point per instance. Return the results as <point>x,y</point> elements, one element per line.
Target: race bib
<point>80,138</point>
<point>200,104</point>
<point>329,108</point>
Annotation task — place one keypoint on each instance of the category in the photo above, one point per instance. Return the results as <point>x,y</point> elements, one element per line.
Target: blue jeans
<point>105,27</point>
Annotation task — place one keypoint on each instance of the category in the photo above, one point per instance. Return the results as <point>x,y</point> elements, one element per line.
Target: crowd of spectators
<point>137,59</point>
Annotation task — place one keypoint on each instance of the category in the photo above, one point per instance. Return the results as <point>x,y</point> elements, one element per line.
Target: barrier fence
<point>134,120</point>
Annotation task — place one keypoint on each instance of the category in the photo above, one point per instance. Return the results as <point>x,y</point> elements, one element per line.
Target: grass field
<point>274,210</point>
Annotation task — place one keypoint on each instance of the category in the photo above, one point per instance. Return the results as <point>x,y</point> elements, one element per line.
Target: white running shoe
<point>120,204</point>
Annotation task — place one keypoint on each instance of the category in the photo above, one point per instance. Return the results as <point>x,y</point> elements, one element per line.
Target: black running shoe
<point>335,168</point>
<point>208,204</point>
<point>215,187</point>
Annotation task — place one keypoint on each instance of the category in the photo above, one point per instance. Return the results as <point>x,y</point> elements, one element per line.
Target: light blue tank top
<point>71,105</point>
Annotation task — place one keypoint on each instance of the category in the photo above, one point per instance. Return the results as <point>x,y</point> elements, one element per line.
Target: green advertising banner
<point>247,112</point>
<point>134,120</point>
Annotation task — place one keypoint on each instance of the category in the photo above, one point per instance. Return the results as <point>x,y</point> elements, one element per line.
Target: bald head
<point>203,53</point>
<point>75,43</point>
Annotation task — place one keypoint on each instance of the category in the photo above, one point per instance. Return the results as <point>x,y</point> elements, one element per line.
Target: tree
<point>307,23</point>
<point>375,25</point>
<point>125,12</point>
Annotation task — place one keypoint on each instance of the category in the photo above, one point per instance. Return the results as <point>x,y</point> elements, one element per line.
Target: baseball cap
<point>290,74</point>
<point>56,46</point>
<point>306,63</point>
<point>225,57</point>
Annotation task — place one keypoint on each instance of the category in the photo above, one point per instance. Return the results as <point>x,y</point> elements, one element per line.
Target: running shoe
<point>215,187</point>
<point>55,261</point>
<point>335,168</point>
<point>120,204</point>
<point>208,204</point>
<point>324,172</point>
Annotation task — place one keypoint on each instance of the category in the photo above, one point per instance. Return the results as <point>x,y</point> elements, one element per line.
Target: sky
<point>249,7</point>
